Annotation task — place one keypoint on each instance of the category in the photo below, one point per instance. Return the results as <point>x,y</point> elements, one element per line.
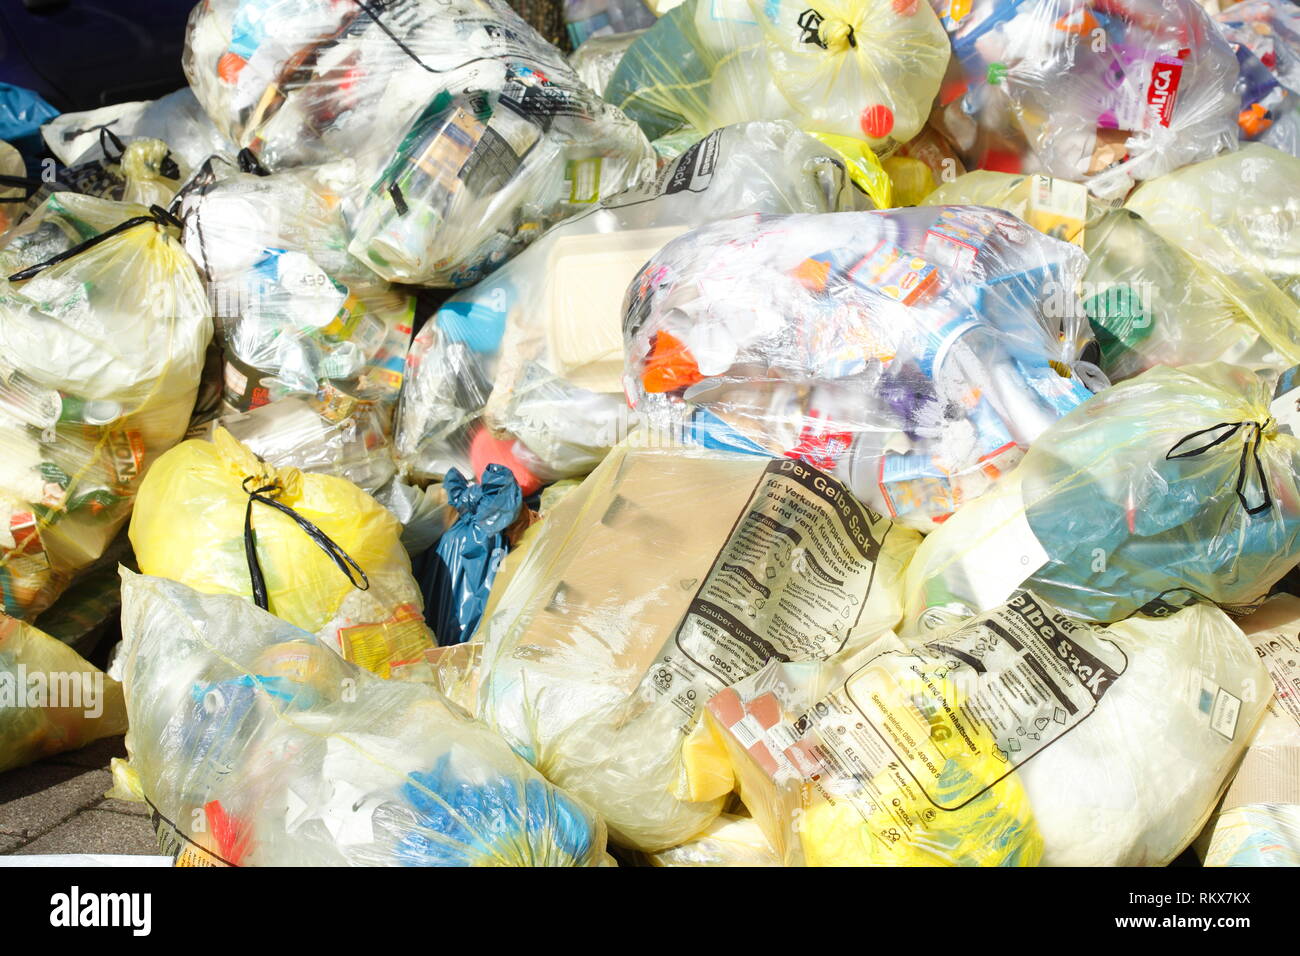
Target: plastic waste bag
<point>590,21</point>
<point>1148,301</point>
<point>597,59</point>
<point>524,369</point>
<point>1024,736</point>
<point>51,700</point>
<point>457,574</point>
<point>103,327</point>
<point>865,69</point>
<point>469,133</point>
<point>668,574</point>
<point>1173,487</point>
<point>177,119</point>
<point>452,670</point>
<point>1265,34</point>
<point>290,756</point>
<point>730,840</point>
<point>1102,93</point>
<point>22,111</point>
<point>1234,215</point>
<point>914,353</point>
<point>1258,823</point>
<point>15,186</point>
<point>314,550</point>
<point>142,171</point>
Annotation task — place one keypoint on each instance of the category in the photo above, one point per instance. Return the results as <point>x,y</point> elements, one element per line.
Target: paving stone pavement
<point>58,806</point>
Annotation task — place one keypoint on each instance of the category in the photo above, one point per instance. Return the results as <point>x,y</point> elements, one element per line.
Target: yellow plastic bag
<point>51,700</point>
<point>100,358</point>
<point>867,69</point>
<point>667,575</point>
<point>356,594</point>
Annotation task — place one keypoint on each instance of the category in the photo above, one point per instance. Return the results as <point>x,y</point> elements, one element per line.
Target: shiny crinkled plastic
<point>1174,487</point>
<point>1258,823</point>
<point>914,353</point>
<point>1102,93</point>
<point>100,358</point>
<point>470,134</point>
<point>525,368</point>
<point>1021,737</point>
<point>865,69</point>
<point>312,549</point>
<point>665,576</point>
<point>253,745</point>
<point>1265,34</point>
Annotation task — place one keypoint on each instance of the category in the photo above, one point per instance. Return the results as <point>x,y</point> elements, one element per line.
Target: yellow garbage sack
<point>103,327</point>
<point>867,69</point>
<point>51,700</point>
<point>730,840</point>
<point>329,557</point>
<point>667,575</point>
<point>1020,737</point>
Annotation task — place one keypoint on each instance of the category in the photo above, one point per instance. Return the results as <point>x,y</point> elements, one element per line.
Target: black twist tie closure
<point>249,163</point>
<point>108,138</point>
<point>19,182</point>
<point>266,495</point>
<point>1249,450</point>
<point>158,216</point>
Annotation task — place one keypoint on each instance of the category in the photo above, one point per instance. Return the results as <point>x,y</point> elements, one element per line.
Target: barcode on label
<point>747,731</point>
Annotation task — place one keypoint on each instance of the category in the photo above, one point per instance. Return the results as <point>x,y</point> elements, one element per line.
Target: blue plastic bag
<point>456,575</point>
<point>22,113</point>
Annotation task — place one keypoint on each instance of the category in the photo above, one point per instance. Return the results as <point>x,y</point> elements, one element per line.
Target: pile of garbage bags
<point>851,432</point>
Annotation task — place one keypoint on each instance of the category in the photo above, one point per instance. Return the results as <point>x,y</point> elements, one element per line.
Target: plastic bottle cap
<point>997,72</point>
<point>877,121</point>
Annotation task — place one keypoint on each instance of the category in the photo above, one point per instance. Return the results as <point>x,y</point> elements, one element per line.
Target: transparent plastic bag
<point>730,840</point>
<point>214,517</point>
<point>534,355</point>
<point>140,171</point>
<point>1235,214</point>
<point>597,58</point>
<point>255,746</point>
<point>866,69</point>
<point>100,358</point>
<point>1173,487</point>
<point>914,353</point>
<point>1148,301</point>
<point>1105,94</point>
<point>469,132</point>
<point>51,700</point>
<point>1258,823</point>
<point>1266,37</point>
<point>668,574</point>
<point>1021,737</point>
<point>15,186</point>
<point>591,21</point>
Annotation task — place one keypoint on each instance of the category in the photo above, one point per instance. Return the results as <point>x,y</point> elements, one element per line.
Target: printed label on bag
<point>693,170</point>
<point>1281,656</point>
<point>790,583</point>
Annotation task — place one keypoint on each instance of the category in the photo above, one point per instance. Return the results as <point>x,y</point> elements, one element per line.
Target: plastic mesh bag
<point>1149,301</point>
<point>1103,93</point>
<point>525,368</point>
<point>1173,487</point>
<point>315,550</point>
<point>915,353</point>
<point>255,746</point>
<point>1258,823</point>
<point>866,69</point>
<point>470,134</point>
<point>100,357</point>
<point>51,700</point>
<point>665,576</point>
<point>1023,736</point>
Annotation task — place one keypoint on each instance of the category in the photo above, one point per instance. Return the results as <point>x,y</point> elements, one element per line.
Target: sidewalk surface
<point>58,806</point>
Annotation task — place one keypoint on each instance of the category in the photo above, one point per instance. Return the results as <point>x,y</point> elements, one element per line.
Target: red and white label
<point>1166,74</point>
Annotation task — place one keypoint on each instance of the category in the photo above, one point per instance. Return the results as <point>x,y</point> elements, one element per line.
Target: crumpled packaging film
<point>1021,737</point>
<point>866,69</point>
<point>668,574</point>
<point>1258,823</point>
<point>189,527</point>
<point>1233,214</point>
<point>1130,504</point>
<point>1107,97</point>
<point>100,360</point>
<point>730,840</point>
<point>253,745</point>
<point>915,353</point>
<point>534,352</point>
<point>51,699</point>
